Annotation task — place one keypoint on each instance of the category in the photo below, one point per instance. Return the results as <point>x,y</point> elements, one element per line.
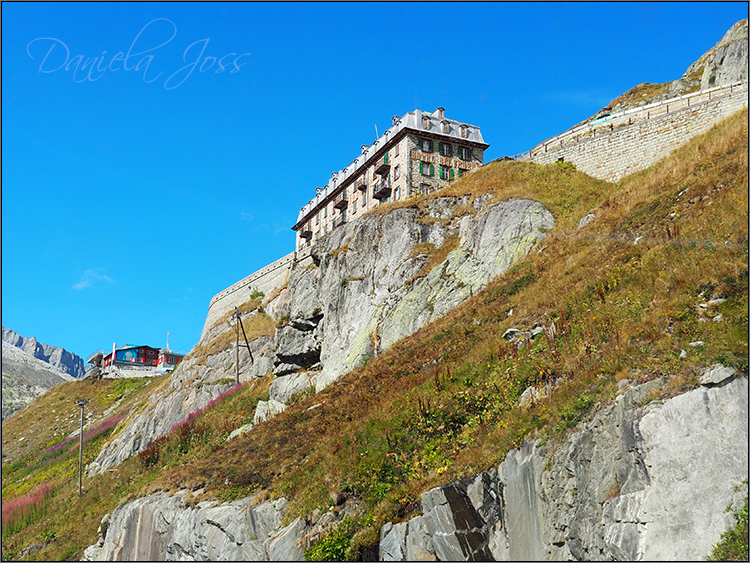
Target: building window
<point>325,211</point>
<point>426,145</point>
<point>464,131</point>
<point>446,127</point>
<point>445,149</point>
<point>354,207</point>
<point>424,188</point>
<point>395,150</point>
<point>364,198</point>
<point>317,218</point>
<point>425,122</point>
<point>445,172</point>
<point>426,168</point>
<point>397,172</point>
<point>465,153</point>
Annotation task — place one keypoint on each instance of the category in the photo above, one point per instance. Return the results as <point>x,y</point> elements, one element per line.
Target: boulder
<point>267,409</point>
<point>282,388</point>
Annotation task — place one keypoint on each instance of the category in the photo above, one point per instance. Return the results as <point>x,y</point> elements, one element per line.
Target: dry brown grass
<point>257,325</point>
<point>435,256</point>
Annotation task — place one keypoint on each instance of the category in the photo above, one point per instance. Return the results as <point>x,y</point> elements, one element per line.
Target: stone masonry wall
<point>625,149</point>
<point>266,279</point>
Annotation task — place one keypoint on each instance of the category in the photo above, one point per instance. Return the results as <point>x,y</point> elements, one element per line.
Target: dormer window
<point>425,122</point>
<point>464,131</point>
<point>446,127</point>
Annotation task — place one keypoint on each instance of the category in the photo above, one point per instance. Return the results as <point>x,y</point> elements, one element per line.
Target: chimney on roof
<point>440,112</point>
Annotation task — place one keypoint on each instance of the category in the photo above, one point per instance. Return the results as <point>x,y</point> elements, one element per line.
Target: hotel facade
<point>420,153</point>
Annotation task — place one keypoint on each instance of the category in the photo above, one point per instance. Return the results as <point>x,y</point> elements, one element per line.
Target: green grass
<point>734,543</point>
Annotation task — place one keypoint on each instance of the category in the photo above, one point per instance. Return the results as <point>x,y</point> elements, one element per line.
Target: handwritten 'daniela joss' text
<point>55,56</point>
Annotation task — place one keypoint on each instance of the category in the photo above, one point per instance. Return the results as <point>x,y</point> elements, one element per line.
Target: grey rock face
<point>162,528</point>
<point>637,482</point>
<point>24,378</point>
<point>282,388</point>
<point>365,294</point>
<point>267,409</point>
<point>60,358</point>
<point>727,61</point>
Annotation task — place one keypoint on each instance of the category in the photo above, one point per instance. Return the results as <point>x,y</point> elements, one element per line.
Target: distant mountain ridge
<point>60,358</point>
<point>31,368</point>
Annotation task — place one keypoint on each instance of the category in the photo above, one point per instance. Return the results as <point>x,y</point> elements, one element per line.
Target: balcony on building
<point>340,201</point>
<point>382,189</point>
<point>338,221</point>
<point>361,184</point>
<point>305,232</point>
<point>382,166</point>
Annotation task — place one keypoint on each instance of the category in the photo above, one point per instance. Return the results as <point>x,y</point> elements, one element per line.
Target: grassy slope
<point>443,402</point>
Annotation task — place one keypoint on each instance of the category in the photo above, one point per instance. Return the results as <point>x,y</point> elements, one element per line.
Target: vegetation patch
<point>734,543</point>
<point>257,325</point>
<point>435,256</point>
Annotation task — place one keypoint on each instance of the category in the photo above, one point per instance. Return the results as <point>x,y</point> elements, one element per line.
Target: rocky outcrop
<point>371,286</point>
<point>639,481</point>
<point>55,356</point>
<point>726,62</point>
<point>164,527</point>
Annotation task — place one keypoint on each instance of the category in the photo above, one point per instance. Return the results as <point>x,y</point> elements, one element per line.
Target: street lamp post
<point>80,403</point>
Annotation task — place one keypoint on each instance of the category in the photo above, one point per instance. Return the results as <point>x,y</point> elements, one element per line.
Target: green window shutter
<point>451,173</point>
<point>421,170</point>
<point>450,150</point>
<point>440,147</point>
<point>469,154</point>
<point>429,146</point>
<point>432,170</point>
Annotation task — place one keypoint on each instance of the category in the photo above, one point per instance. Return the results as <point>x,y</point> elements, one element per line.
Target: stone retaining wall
<point>612,153</point>
<point>265,280</point>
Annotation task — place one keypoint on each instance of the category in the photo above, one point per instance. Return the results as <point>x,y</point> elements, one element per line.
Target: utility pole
<point>237,326</point>
<point>237,348</point>
<point>80,403</point>
<point>239,320</point>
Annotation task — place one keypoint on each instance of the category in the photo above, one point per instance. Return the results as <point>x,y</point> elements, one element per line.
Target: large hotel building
<point>420,153</point>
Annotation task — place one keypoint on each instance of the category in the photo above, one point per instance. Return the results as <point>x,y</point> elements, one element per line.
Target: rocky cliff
<point>726,62</point>
<point>24,375</point>
<point>53,355</point>
<point>366,285</point>
<point>639,481</point>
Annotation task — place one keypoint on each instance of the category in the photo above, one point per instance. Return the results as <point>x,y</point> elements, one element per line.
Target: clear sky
<point>134,190</point>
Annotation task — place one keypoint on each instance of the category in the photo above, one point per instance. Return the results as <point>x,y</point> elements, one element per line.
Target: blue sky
<point>134,190</point>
